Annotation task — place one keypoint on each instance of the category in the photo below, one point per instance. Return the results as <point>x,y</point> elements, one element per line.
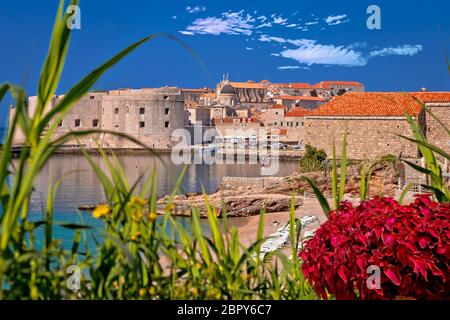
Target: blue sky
<point>282,41</point>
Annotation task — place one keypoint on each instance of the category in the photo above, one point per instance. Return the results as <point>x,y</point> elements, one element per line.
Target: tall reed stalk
<point>139,258</point>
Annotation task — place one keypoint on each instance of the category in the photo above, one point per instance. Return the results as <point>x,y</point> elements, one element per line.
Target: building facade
<point>373,122</point>
<point>148,115</point>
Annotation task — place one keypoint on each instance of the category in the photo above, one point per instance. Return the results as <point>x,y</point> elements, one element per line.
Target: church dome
<point>227,89</point>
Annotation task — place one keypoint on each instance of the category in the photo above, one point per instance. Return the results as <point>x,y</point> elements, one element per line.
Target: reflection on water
<point>79,184</point>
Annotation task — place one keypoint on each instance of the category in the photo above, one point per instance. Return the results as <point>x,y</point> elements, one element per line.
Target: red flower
<point>409,244</point>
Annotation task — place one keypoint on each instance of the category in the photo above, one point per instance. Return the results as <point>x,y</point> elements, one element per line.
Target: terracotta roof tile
<point>296,112</point>
<point>378,103</point>
<point>304,98</point>
<point>277,106</point>
<point>301,85</point>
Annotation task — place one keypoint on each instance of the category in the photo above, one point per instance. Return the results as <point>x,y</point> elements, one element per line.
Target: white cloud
<point>311,23</point>
<point>279,20</point>
<point>262,18</point>
<point>186,33</point>
<point>266,38</point>
<point>174,17</point>
<point>195,9</point>
<point>264,25</point>
<point>325,54</point>
<point>288,67</point>
<point>248,48</point>
<point>404,50</point>
<point>232,23</point>
<point>292,68</point>
<point>311,52</point>
<point>295,42</point>
<point>292,25</point>
<point>335,20</point>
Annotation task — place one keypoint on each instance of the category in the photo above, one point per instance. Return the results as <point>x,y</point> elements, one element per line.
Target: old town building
<point>374,120</point>
<point>148,115</point>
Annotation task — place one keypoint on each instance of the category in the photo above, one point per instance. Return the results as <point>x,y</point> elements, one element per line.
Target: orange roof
<point>380,104</point>
<point>300,85</point>
<point>277,106</point>
<point>296,112</point>
<point>306,98</point>
<point>425,97</point>
<point>281,132</point>
<point>247,85</point>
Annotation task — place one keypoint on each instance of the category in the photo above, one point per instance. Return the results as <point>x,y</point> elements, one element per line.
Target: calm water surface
<point>79,184</point>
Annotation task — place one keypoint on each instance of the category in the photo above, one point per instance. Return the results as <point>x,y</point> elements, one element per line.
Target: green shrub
<point>312,160</point>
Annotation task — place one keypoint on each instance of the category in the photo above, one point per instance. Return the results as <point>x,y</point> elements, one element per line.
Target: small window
<point>141,124</point>
<point>116,126</point>
<point>60,124</point>
<point>166,124</point>
<point>95,123</point>
<point>276,113</point>
<point>166,97</point>
<point>275,123</point>
<point>116,111</point>
<point>141,110</point>
<point>77,122</point>
<point>166,111</point>
<point>92,97</point>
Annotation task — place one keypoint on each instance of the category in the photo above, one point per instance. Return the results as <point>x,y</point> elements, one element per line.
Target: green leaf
<point>405,191</point>
<point>322,200</point>
<point>343,168</point>
<point>334,179</point>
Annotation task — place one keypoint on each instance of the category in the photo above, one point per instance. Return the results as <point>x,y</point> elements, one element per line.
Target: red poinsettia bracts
<point>408,243</point>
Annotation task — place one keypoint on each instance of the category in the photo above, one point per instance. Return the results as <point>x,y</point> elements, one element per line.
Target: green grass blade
<point>320,197</point>
<point>343,168</point>
<point>334,179</point>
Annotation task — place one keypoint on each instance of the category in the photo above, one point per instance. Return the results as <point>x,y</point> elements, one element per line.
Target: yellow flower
<point>152,216</point>
<point>142,292</point>
<point>137,215</point>
<point>152,291</point>
<point>135,236</point>
<point>100,211</point>
<point>138,201</point>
